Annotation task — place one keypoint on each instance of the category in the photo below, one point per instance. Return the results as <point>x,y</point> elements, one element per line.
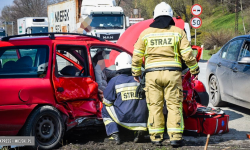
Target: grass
<point>222,20</point>
<point>206,56</point>
<point>219,20</point>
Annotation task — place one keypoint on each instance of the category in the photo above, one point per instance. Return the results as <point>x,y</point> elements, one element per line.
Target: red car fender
<point>21,112</point>
<point>62,109</point>
<point>199,87</point>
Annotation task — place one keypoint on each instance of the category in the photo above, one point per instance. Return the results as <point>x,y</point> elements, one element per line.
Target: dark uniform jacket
<point>123,106</point>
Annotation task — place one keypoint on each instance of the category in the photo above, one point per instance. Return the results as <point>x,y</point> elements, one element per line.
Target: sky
<point>4,3</point>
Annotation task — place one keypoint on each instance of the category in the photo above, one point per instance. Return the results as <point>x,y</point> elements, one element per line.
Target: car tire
<point>214,92</point>
<point>46,125</point>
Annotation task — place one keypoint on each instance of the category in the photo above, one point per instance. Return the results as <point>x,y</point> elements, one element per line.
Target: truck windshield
<point>2,33</point>
<point>39,29</point>
<point>103,21</point>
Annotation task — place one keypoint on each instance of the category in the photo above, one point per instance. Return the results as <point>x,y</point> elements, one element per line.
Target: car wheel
<point>214,92</point>
<point>46,125</point>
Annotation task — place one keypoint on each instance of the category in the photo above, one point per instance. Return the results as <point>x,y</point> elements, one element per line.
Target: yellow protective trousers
<point>166,85</point>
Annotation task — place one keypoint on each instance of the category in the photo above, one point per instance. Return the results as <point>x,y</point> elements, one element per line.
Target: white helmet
<point>163,9</point>
<point>123,61</point>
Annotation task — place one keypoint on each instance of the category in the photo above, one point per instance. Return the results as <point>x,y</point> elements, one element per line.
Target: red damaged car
<point>47,85</point>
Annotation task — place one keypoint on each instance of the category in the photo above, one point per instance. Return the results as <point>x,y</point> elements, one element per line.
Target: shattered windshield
<point>104,21</point>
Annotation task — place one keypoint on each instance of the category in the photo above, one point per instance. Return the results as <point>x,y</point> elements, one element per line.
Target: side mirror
<point>127,22</point>
<point>244,60</point>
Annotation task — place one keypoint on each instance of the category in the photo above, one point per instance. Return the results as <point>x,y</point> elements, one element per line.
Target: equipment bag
<point>206,122</point>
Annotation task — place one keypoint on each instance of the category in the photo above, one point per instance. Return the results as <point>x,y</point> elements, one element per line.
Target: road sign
<point>196,22</point>
<point>196,9</point>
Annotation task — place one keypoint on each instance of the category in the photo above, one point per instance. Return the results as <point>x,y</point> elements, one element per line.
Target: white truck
<point>107,20</point>
<point>30,25</point>
<point>2,32</point>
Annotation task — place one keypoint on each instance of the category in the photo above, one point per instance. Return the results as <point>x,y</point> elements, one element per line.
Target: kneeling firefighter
<point>164,46</point>
<point>121,107</point>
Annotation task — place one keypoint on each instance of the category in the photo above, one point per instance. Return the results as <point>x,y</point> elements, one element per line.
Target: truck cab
<point>2,32</point>
<point>31,25</point>
<point>108,20</point>
<point>100,18</point>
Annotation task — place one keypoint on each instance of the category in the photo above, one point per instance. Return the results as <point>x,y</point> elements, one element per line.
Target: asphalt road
<point>239,126</point>
<point>239,122</point>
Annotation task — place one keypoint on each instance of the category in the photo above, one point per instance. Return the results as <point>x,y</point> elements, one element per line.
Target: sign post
<point>196,22</point>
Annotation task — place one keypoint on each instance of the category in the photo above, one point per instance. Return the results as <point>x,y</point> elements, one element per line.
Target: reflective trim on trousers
<point>181,129</point>
<point>181,112</point>
<point>178,130</point>
<point>131,126</point>
<point>159,130</point>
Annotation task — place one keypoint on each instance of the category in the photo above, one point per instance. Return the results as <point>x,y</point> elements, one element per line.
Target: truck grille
<point>110,36</point>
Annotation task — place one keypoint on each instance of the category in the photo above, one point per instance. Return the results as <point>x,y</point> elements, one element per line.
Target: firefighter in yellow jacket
<point>164,46</point>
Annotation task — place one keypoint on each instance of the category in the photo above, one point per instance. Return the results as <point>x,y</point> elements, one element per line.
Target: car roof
<point>242,36</point>
<point>52,36</point>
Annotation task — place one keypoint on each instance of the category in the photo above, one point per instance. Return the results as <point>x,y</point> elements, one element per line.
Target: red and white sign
<point>196,22</point>
<point>196,9</point>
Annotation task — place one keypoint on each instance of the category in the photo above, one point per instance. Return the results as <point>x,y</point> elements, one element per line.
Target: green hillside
<point>218,28</point>
<point>222,20</point>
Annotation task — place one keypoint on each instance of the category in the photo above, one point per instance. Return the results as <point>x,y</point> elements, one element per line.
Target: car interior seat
<point>25,61</point>
<point>9,64</point>
<point>69,71</point>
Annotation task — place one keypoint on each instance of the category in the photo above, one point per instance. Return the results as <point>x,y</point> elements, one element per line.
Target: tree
<point>25,8</point>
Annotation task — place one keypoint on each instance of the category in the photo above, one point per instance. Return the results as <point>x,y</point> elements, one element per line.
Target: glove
<point>196,72</point>
<point>140,93</point>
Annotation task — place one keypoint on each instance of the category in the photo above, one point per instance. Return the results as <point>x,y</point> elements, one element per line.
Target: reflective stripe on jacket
<point>123,106</point>
<point>163,48</point>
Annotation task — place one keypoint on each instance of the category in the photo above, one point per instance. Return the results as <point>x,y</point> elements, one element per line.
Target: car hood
<point>130,36</point>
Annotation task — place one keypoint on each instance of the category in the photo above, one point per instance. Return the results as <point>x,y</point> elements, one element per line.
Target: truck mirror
<point>127,22</point>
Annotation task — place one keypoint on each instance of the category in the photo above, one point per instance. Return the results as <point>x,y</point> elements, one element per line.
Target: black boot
<point>176,143</point>
<point>116,138</point>
<point>139,136</point>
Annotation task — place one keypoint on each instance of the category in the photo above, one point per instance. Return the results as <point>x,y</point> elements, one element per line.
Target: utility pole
<point>242,17</point>
<point>119,2</point>
<point>236,17</point>
<point>6,31</point>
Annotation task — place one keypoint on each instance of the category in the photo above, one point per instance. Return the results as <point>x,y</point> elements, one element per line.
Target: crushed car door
<point>73,80</point>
